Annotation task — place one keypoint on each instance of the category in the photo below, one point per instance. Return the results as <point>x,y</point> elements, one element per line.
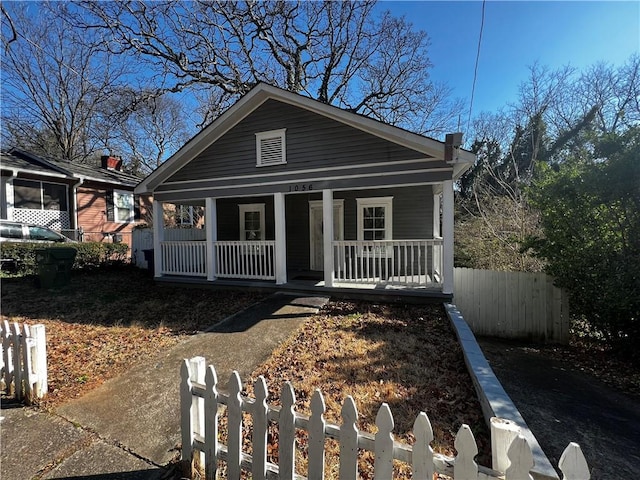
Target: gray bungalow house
<point>295,190</point>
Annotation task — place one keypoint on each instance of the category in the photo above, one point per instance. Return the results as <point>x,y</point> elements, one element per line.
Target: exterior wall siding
<point>412,217</point>
<point>92,215</point>
<point>312,141</point>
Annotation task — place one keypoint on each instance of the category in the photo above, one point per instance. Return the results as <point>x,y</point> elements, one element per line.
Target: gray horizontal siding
<point>317,184</point>
<point>312,141</point>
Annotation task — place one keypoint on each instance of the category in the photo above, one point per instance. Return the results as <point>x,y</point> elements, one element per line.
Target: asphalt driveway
<point>562,404</point>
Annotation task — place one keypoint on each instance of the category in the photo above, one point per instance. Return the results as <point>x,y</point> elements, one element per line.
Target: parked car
<point>24,232</point>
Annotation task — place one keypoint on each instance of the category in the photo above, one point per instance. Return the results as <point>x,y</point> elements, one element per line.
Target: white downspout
<point>8,194</point>
<point>74,202</point>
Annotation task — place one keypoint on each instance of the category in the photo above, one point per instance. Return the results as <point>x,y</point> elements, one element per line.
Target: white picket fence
<point>200,399</point>
<point>512,304</point>
<point>23,363</point>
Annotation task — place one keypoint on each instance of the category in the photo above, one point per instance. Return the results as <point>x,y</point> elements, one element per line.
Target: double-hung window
<point>252,222</point>
<point>375,220</point>
<point>123,207</point>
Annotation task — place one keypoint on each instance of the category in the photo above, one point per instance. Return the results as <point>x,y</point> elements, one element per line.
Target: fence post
<point>521,460</point>
<point>38,333</point>
<point>503,432</point>
<point>191,411</point>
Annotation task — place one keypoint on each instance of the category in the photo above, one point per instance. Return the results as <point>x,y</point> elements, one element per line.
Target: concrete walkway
<point>129,427</point>
<point>561,404</point>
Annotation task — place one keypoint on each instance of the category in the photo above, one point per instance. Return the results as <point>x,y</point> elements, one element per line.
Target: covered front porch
<point>329,241</point>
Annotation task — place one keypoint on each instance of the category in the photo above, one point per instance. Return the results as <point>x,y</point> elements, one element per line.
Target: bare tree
<point>56,83</point>
<point>336,52</point>
<point>154,130</point>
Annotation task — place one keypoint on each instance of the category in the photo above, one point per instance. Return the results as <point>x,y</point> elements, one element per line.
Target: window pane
<point>38,233</point>
<point>368,223</point>
<point>368,235</point>
<point>368,212</point>
<point>379,212</point>
<point>123,215</point>
<point>26,194</point>
<point>54,197</point>
<point>379,223</point>
<point>10,231</point>
<point>379,234</point>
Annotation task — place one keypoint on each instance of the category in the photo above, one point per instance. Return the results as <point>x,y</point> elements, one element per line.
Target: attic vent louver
<point>271,147</point>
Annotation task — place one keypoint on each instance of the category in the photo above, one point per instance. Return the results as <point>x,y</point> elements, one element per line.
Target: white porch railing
<point>184,258</point>
<point>250,260</point>
<point>401,262</point>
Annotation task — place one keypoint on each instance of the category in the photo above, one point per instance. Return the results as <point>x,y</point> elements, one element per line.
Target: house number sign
<point>301,187</point>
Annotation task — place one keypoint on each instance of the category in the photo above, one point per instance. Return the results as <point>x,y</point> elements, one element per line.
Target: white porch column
<point>281,238</point>
<point>436,215</point>
<point>327,236</point>
<point>447,236</point>
<point>158,236</point>
<point>211,227</point>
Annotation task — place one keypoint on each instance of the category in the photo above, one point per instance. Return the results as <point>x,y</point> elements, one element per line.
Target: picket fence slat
<point>200,400</point>
<point>23,360</point>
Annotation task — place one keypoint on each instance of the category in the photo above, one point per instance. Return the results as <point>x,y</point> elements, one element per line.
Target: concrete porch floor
<point>309,283</point>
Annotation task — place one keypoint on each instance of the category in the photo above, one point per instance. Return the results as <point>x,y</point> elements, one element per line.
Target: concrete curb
<point>493,398</point>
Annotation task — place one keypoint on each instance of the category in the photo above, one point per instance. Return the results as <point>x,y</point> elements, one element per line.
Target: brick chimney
<point>111,163</point>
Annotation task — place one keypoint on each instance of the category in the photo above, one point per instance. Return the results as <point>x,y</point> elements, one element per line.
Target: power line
<point>475,71</point>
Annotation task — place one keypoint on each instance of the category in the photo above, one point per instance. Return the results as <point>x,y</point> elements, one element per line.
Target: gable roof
<point>263,92</point>
<point>24,162</point>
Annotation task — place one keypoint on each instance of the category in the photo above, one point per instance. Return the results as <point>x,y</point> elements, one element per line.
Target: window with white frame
<point>375,218</point>
<point>271,148</point>
<point>252,222</point>
<point>123,207</point>
<point>186,215</point>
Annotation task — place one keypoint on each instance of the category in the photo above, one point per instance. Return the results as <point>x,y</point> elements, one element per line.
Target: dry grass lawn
<point>406,356</point>
<point>105,321</point>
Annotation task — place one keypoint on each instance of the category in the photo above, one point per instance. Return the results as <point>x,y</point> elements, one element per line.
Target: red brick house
<point>88,202</point>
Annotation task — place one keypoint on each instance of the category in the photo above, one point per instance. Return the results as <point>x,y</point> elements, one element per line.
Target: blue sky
<point>516,35</point>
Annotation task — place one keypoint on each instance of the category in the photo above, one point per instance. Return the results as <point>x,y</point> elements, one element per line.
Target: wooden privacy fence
<point>200,400</point>
<point>512,304</point>
<point>23,362</point>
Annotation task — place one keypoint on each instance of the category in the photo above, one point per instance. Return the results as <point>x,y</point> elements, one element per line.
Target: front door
<point>315,230</point>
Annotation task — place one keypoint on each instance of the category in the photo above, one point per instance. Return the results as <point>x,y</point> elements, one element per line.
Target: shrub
<point>89,255</point>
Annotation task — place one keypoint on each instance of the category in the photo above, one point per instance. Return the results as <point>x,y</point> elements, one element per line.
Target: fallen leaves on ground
<point>104,321</point>
<point>406,356</point>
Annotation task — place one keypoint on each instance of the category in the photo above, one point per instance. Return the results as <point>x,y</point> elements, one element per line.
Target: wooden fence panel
<point>514,453</point>
<point>512,304</point>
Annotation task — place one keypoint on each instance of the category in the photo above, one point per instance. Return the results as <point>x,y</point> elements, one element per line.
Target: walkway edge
<point>493,398</point>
